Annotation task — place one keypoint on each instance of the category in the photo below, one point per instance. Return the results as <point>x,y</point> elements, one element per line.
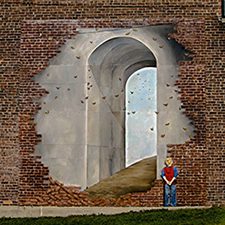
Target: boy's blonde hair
<point>169,161</point>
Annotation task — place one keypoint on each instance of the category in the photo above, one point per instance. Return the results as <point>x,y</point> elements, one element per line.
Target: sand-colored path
<point>138,177</point>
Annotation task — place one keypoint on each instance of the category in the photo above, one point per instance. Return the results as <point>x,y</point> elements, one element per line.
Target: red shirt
<point>169,173</point>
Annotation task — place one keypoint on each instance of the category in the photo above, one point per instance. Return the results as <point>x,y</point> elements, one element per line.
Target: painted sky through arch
<point>141,107</point>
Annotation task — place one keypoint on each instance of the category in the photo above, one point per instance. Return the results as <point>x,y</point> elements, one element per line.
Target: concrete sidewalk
<point>20,211</point>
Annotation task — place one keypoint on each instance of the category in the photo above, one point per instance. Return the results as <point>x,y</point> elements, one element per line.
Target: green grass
<point>158,217</point>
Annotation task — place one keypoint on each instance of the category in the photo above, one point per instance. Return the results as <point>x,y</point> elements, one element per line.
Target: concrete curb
<point>20,211</point>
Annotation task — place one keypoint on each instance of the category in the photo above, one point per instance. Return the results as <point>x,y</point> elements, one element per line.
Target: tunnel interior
<point>111,64</point>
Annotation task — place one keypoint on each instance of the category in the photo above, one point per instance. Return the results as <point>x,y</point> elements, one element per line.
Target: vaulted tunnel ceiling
<point>121,56</point>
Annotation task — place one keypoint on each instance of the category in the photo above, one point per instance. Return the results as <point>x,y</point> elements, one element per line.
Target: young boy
<point>169,174</point>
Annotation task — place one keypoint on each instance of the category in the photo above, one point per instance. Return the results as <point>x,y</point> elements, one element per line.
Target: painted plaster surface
<point>82,117</point>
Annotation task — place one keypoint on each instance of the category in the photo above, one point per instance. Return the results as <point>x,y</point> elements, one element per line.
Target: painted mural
<point>99,124</point>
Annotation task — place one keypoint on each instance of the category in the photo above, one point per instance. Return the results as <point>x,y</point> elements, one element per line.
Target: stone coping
<point>29,211</point>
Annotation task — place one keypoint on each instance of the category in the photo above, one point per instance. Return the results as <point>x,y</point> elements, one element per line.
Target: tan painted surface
<point>138,177</point>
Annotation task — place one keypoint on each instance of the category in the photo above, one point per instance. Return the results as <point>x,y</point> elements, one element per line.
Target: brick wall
<point>32,32</point>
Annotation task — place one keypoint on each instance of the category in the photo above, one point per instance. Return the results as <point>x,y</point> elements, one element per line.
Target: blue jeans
<point>170,198</point>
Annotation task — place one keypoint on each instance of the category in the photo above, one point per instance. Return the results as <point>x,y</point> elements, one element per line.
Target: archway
<point>111,64</point>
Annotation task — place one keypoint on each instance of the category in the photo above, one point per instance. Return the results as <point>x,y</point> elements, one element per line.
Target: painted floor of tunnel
<point>135,178</point>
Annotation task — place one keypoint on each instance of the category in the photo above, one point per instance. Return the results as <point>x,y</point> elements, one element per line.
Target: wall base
<point>15,212</point>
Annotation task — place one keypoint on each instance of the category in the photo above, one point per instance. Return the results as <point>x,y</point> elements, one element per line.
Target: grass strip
<point>212,216</point>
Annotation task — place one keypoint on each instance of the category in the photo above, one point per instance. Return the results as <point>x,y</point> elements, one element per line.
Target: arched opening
<point>141,117</point>
<point>111,64</point>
